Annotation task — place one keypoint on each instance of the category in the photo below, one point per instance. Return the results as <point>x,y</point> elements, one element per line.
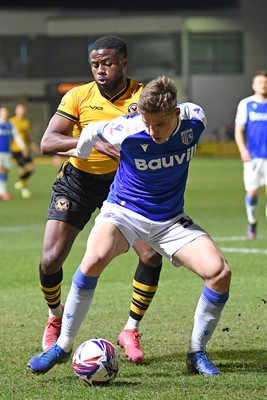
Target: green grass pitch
<point>215,200</point>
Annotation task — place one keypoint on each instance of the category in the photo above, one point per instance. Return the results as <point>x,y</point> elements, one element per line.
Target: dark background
<point>124,5</point>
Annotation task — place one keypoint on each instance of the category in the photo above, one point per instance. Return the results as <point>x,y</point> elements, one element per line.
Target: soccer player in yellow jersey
<point>81,186</point>
<point>26,166</point>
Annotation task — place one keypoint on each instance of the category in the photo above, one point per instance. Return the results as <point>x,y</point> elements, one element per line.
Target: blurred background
<point>210,48</point>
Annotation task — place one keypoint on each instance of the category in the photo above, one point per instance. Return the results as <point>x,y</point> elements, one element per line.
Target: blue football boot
<point>43,362</point>
<point>198,362</point>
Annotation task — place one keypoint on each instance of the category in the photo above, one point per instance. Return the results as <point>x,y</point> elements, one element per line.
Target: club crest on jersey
<point>62,204</point>
<point>187,136</point>
<point>133,109</point>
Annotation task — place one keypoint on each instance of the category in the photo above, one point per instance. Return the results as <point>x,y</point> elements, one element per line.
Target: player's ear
<point>177,112</point>
<point>125,61</point>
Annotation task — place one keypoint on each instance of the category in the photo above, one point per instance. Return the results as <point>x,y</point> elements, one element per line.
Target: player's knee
<point>222,274</point>
<point>51,263</point>
<point>150,257</point>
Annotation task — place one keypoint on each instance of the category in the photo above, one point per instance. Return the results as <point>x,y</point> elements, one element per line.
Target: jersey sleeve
<point>194,112</point>
<point>17,138</point>
<point>241,114</point>
<point>112,132</point>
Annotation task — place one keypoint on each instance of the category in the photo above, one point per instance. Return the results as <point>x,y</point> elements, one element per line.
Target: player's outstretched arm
<point>58,136</point>
<point>93,133</point>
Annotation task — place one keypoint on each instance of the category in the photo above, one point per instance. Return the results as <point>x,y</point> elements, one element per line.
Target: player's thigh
<point>201,256</point>
<point>105,242</point>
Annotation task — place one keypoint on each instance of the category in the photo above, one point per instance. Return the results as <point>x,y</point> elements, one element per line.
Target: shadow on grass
<point>228,361</point>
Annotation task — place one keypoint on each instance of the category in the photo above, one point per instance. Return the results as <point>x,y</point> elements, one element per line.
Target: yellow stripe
<point>137,310</point>
<point>49,290</point>
<point>142,299</point>
<point>144,288</point>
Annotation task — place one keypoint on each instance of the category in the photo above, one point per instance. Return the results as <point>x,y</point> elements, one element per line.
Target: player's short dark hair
<point>159,95</point>
<point>260,73</point>
<point>110,42</point>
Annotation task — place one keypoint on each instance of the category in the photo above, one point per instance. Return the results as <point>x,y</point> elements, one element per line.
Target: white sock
<point>132,324</point>
<point>3,186</point>
<point>77,305</point>
<point>251,209</point>
<point>207,316</point>
<point>55,312</point>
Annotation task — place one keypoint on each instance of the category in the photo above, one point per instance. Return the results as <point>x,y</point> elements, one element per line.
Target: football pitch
<point>215,200</point>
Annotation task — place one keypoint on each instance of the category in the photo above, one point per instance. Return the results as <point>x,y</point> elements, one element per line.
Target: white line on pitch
<point>234,238</point>
<point>245,251</point>
<point>20,228</point>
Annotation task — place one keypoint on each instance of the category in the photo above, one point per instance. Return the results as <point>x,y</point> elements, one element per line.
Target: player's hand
<point>108,149</point>
<point>69,153</point>
<point>245,156</point>
<point>25,153</point>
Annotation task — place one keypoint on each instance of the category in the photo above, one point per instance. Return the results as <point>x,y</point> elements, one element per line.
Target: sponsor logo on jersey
<point>96,108</point>
<point>166,162</point>
<point>133,108</point>
<point>257,116</point>
<point>187,136</point>
<point>62,204</point>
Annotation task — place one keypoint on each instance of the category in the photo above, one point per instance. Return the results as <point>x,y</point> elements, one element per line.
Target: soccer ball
<point>96,362</point>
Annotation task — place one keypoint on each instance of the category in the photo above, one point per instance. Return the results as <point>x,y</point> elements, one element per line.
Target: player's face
<point>260,86</point>
<point>4,114</point>
<point>161,126</point>
<point>109,70</point>
<point>20,111</point>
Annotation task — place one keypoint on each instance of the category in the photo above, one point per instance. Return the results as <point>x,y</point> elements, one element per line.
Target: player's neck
<point>119,89</point>
<point>261,97</point>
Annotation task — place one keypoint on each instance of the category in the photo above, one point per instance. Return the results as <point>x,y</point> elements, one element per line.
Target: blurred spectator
<point>26,165</point>
<point>8,133</point>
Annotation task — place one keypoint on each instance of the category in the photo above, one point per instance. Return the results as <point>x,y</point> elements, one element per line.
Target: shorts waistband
<point>102,177</point>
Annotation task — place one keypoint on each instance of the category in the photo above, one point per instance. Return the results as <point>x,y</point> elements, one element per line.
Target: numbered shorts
<point>77,194</point>
<point>166,237</point>
<point>255,174</point>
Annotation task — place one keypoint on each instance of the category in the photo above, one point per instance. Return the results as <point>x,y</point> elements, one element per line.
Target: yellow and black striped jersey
<point>23,127</point>
<point>84,104</point>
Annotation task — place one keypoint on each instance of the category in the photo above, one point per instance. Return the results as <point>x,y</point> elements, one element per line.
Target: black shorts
<point>20,159</point>
<point>77,194</point>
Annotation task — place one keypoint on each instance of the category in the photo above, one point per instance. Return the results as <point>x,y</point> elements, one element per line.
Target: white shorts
<point>5,160</point>
<point>166,237</point>
<point>255,174</point>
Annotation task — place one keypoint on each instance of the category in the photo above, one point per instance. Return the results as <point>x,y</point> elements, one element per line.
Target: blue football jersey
<point>6,135</point>
<point>252,113</point>
<point>151,178</point>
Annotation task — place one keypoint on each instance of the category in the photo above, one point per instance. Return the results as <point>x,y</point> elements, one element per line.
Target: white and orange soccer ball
<point>96,362</point>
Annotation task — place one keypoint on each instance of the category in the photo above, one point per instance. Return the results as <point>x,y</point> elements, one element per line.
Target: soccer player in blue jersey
<point>146,201</point>
<point>81,186</point>
<point>251,139</point>
<point>8,132</point>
